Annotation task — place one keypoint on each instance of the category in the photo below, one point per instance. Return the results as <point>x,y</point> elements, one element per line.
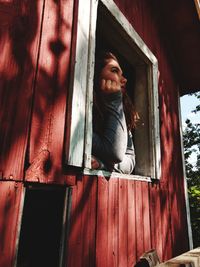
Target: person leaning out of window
<point>114,118</point>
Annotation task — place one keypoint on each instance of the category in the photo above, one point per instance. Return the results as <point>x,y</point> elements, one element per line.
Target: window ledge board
<point>116,175</point>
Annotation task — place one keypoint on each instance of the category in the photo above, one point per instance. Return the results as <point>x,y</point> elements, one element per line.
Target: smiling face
<point>111,77</point>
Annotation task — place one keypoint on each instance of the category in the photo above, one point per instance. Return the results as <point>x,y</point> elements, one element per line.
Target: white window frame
<point>80,142</point>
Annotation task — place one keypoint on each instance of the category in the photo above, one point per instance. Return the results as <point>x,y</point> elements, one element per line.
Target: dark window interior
<point>111,37</point>
<point>105,42</point>
<point>41,229</point>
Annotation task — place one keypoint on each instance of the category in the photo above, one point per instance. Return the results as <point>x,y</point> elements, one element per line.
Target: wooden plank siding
<point>169,201</point>
<point>120,221</point>
<point>49,110</point>
<point>11,200</point>
<point>82,232</point>
<point>20,25</point>
<point>127,219</point>
<point>112,223</point>
<point>33,88</point>
<point>132,216</point>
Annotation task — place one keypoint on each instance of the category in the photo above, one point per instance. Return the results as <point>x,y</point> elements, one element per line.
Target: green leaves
<point>198,106</point>
<point>195,192</point>
<point>191,141</point>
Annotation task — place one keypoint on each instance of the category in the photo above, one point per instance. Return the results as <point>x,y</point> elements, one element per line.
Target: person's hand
<point>109,86</point>
<point>95,163</point>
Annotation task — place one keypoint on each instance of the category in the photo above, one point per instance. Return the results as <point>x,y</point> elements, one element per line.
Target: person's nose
<point>123,81</point>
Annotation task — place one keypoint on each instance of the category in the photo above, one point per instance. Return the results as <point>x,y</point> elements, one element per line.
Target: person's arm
<point>110,146</point>
<point>128,163</point>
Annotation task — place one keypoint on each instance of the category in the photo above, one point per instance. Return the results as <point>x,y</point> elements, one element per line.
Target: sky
<point>188,103</point>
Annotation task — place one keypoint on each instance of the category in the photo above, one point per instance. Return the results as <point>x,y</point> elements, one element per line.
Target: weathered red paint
<point>20,23</point>
<point>146,216</point>
<point>183,18</point>
<point>112,223</point>
<point>123,223</point>
<point>81,244</point>
<point>10,203</point>
<point>102,223</point>
<point>48,121</point>
<point>131,223</point>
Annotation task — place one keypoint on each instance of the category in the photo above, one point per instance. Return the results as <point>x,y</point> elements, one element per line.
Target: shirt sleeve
<point>127,165</point>
<point>111,146</point>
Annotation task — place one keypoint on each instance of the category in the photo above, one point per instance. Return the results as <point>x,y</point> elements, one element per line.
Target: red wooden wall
<point>109,219</point>
<point>112,223</point>
<point>170,191</point>
<point>35,44</point>
<point>117,221</point>
<point>11,196</point>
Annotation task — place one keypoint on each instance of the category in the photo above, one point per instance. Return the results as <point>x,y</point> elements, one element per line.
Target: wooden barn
<point>54,209</point>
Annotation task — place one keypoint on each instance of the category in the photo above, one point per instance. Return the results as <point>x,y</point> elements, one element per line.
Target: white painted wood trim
<point>156,122</point>
<point>65,226</point>
<point>63,231</point>
<point>78,102</point>
<point>89,95</point>
<point>19,224</point>
<point>185,181</point>
<point>188,259</point>
<point>122,20</point>
<point>105,173</point>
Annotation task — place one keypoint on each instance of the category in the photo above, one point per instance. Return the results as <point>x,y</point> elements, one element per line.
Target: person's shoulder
<point>130,134</point>
<point>112,96</point>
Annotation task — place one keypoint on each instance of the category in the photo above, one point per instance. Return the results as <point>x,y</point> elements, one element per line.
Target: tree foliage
<point>191,140</point>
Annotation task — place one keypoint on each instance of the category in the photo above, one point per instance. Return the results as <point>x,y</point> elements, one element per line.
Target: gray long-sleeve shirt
<point>114,146</point>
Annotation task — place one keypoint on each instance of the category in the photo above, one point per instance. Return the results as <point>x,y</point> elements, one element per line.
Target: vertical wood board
<point>89,221</point>
<point>48,121</point>
<point>131,224</point>
<point>81,243</point>
<point>123,223</point>
<point>146,217</point>
<point>155,219</point>
<point>139,220</point>
<point>166,214</point>
<point>11,194</point>
<point>102,223</point>
<point>113,223</point>
<point>20,34</point>
<point>75,240</point>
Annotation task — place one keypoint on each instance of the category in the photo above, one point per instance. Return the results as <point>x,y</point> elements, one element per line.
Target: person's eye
<point>115,70</point>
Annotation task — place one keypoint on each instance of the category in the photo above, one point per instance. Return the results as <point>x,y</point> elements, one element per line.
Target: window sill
<point>116,175</point>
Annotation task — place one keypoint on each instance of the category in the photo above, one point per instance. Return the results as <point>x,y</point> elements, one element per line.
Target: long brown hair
<point>130,114</point>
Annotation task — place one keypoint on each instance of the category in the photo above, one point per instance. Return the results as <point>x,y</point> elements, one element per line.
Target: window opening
<point>137,68</point>
<point>101,23</point>
<point>42,228</point>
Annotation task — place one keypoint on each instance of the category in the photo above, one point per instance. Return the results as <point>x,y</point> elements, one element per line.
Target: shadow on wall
<point>172,183</point>
<point>35,41</point>
<point>18,30</point>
